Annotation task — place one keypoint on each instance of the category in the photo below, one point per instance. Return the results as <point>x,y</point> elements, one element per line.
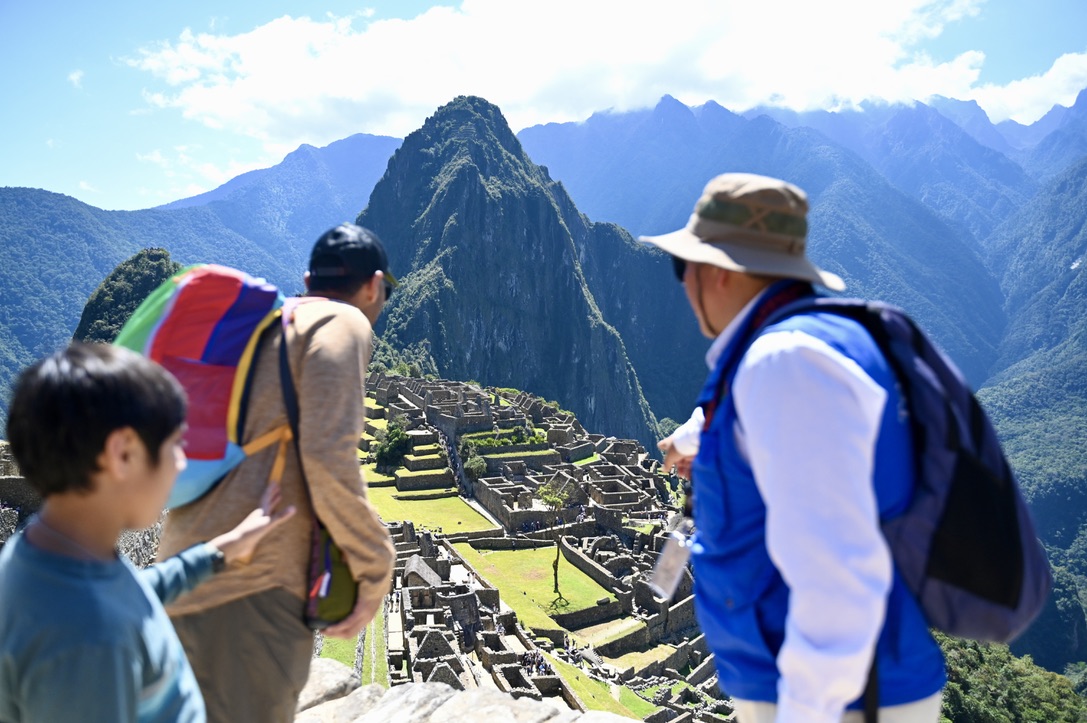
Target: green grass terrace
<point>375,478</point>
<point>598,695</point>
<point>452,514</point>
<point>517,455</point>
<point>527,583</point>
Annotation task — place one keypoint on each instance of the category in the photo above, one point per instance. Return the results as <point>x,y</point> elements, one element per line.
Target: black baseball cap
<point>349,251</point>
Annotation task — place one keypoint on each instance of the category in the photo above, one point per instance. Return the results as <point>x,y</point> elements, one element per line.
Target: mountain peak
<point>491,255</point>
<point>468,106</point>
<point>471,117</point>
<point>670,109</point>
<point>1079,108</point>
<point>469,130</point>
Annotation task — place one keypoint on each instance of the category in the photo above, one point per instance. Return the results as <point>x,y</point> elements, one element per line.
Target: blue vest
<point>740,598</point>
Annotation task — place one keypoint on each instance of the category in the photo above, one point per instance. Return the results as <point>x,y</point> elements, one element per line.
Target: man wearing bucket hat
<point>796,430</point>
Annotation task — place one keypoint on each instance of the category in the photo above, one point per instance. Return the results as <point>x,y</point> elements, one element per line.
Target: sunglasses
<point>679,266</point>
<point>389,288</point>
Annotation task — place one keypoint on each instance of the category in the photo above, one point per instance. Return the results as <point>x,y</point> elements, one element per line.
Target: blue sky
<point>128,105</point>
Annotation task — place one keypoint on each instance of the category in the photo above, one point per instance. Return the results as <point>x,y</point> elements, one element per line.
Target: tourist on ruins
<point>794,583</point>
<point>83,634</point>
<point>244,631</point>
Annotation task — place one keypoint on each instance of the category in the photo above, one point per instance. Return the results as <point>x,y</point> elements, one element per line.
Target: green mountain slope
<point>493,285</point>
<point>925,154</point>
<point>54,251</point>
<point>113,302</point>
<point>1038,397</point>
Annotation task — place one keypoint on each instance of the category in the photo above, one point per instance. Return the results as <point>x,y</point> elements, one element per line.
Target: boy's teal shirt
<point>90,641</point>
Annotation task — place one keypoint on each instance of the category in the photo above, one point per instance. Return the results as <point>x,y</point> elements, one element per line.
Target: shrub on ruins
<point>517,435</point>
<point>475,467</point>
<point>391,450</point>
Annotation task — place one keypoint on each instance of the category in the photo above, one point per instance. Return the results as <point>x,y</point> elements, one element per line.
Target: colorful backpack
<point>204,325</point>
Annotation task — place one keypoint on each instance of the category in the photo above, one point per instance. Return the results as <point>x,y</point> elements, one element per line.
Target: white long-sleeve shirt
<point>807,423</point>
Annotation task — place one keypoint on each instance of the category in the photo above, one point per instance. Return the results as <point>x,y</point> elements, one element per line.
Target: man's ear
<point>375,286</point>
<point>720,278</point>
<point>305,281</point>
<point>119,452</point>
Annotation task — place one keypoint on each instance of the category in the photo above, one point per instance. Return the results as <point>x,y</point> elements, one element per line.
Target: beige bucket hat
<point>755,224</point>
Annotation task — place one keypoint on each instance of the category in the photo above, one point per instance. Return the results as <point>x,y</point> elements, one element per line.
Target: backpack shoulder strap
<point>290,393</point>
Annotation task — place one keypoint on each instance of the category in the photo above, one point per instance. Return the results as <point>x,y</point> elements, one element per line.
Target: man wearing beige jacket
<point>243,631</point>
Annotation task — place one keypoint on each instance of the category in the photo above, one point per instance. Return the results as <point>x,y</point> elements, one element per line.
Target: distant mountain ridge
<point>925,154</point>
<point>55,250</point>
<point>353,165</point>
<point>883,242</point>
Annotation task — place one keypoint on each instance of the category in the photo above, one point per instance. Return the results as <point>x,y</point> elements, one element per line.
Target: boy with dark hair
<point>96,429</point>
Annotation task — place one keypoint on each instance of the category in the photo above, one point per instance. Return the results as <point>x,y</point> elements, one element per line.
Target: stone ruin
<point>620,512</point>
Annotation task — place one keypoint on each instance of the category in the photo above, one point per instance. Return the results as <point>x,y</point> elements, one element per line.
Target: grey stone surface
<point>358,703</point>
<point>344,710</point>
<point>492,706</point>
<point>328,680</point>
<point>408,703</point>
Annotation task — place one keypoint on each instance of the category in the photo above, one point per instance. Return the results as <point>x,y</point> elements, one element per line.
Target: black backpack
<point>966,546</point>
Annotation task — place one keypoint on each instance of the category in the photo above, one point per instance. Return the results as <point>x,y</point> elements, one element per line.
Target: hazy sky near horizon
<point>127,105</point>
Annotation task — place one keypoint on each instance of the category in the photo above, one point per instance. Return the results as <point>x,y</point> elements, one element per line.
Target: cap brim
<point>735,257</point>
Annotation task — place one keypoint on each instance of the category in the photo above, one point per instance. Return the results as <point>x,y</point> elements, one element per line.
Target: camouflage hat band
<point>719,233</point>
<point>745,216</point>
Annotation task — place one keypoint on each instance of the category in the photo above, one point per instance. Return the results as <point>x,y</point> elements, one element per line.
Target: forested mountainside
<point>54,250</point>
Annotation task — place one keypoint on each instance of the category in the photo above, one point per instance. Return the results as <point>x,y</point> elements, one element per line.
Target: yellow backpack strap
<point>281,434</point>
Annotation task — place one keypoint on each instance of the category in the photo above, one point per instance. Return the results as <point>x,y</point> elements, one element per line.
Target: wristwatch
<point>218,561</point>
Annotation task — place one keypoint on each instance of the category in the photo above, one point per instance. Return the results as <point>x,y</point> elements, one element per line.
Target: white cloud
<point>154,157</point>
<point>76,78</point>
<point>1029,99</point>
<point>189,174</point>
<point>84,186</point>
<point>295,80</point>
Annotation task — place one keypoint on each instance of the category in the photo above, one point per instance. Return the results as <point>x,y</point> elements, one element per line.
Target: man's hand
<point>673,458</point>
<point>365,610</point>
<point>239,544</point>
